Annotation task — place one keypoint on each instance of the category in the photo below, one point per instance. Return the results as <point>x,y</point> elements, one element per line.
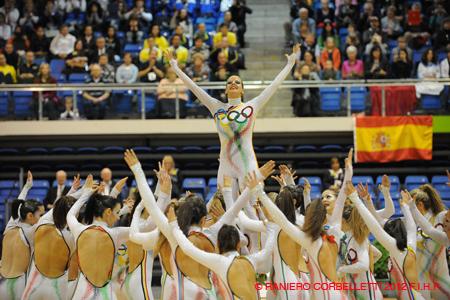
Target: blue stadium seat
<point>392,44</point>
<point>395,183</point>
<point>9,151</point>
<point>213,149</point>
<point>441,55</point>
<point>36,151</point>
<point>212,182</point>
<point>206,9</point>
<point>3,104</point>
<point>113,149</point>
<point>78,77</point>
<point>142,149</point>
<point>414,181</point>
<point>23,102</point>
<point>439,182</point>
<point>316,195</point>
<point>150,182</point>
<point>432,102</point>
<point>191,149</point>
<point>9,189</point>
<point>417,56</point>
<point>62,150</point>
<point>315,181</point>
<point>331,148</point>
<point>330,99</point>
<point>166,149</point>
<point>305,148</point>
<point>274,149</point>
<point>57,66</point>
<point>210,195</point>
<point>122,101</point>
<point>87,150</point>
<point>343,31</point>
<point>134,49</point>
<point>69,183</point>
<point>394,195</point>
<point>196,185</point>
<point>150,102</point>
<point>358,96</point>
<point>364,180</point>
<point>39,190</point>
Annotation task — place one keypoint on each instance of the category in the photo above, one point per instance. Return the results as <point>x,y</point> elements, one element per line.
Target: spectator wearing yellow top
<point>160,40</point>
<point>149,46</point>
<point>181,53</point>
<point>231,37</point>
<point>7,72</point>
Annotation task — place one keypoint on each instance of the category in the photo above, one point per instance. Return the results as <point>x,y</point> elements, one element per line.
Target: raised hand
<point>349,188</point>
<point>171,215</point>
<point>90,183</point>
<point>385,182</point>
<point>295,50</point>
<point>160,169</point>
<point>279,179</point>
<point>168,54</point>
<point>120,184</point>
<point>349,159</point>
<point>76,182</point>
<point>101,188</point>
<point>252,180</point>
<point>267,169</point>
<point>29,182</point>
<point>216,210</point>
<point>165,183</point>
<point>286,171</point>
<point>130,158</point>
<point>130,203</point>
<point>363,191</point>
<point>406,197</point>
<point>306,185</point>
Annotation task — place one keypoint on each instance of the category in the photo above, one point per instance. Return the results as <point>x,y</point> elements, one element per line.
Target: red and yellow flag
<point>386,139</point>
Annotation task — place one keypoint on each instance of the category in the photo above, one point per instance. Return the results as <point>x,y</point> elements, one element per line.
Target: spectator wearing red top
<point>50,101</point>
<point>331,52</point>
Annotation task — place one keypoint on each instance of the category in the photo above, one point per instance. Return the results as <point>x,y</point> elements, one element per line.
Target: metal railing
<point>144,88</point>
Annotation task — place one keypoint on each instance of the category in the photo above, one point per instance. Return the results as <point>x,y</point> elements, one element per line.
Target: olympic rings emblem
<point>234,115</point>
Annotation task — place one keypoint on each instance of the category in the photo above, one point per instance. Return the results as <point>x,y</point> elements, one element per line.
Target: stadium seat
<point>4,104</point>
<point>36,151</point>
<point>9,151</point>
<point>150,182</point>
<point>166,149</point>
<point>191,149</point>
<point>113,149</point>
<point>358,97</point>
<point>430,102</point>
<point>78,77</point>
<point>62,150</point>
<point>414,181</point>
<point>87,150</point>
<point>331,148</point>
<point>316,183</point>
<point>142,149</point>
<point>394,195</point>
<point>213,149</point>
<point>417,56</point>
<point>23,104</point>
<point>330,99</point>
<point>150,102</point>
<point>305,148</point>
<point>439,182</point>
<point>9,189</point>
<point>196,185</point>
<point>57,66</point>
<point>134,49</point>
<point>39,190</point>
<point>364,180</point>
<point>441,55</point>
<point>122,101</point>
<point>212,182</point>
<point>274,149</point>
<point>395,183</point>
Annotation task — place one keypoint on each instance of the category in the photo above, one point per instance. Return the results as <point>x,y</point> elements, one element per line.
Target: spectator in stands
<point>181,52</point>
<point>376,66</point>
<point>5,30</point>
<point>169,165</point>
<point>402,45</point>
<point>445,65</point>
<point>28,70</point>
<point>74,6</point>
<point>19,40</point>
<point>95,101</point>
<point>29,17</point>
<point>304,31</point>
<point>225,5</point>
<point>134,33</point>
<point>351,40</point>
<point>95,16</point>
<point>308,59</point>
<point>51,18</point>
<point>108,71</point>
<point>227,20</point>
<point>160,40</point>
<point>330,52</point>
<point>201,33</point>
<point>324,13</point>
<point>100,49</point>
<point>88,38</point>
<point>151,70</point>
<point>184,39</point>
<point>106,181</point>
<point>149,46</point>
<point>295,7</point>
<point>57,192</point>
<point>334,176</point>
<point>10,12</point>
<point>39,43</point>
<point>302,18</point>
<point>199,48</point>
<point>309,44</point>
<point>402,65</point>
<point>238,11</point>
<point>138,12</point>
<point>63,43</point>
<point>12,57</point>
<point>390,24</point>
<point>366,19</point>
<point>230,53</point>
<point>77,61</point>
<point>169,90</point>
<point>181,18</point>
<point>328,31</point>
<point>223,69</point>
<point>328,72</point>
<point>347,14</point>
<point>49,99</point>
<point>223,32</point>
<point>127,72</point>
<point>117,9</point>
<point>198,71</point>
<point>376,42</point>
<point>353,67</point>
<point>69,113</point>
<point>442,39</point>
<point>428,67</point>
<point>305,101</point>
<point>437,16</point>
<point>415,18</point>
<point>7,72</point>
<point>374,29</point>
<point>112,42</point>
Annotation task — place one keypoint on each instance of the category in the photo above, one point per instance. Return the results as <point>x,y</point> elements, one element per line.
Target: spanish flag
<point>386,139</point>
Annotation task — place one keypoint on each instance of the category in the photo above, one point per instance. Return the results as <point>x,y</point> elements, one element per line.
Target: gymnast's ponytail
<point>15,205</point>
<point>315,217</point>
<point>96,205</point>
<point>191,212</point>
<point>21,208</point>
<point>60,210</point>
<point>286,203</point>
<point>435,201</point>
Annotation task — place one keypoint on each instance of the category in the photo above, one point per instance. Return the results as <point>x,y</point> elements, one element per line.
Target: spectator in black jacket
<point>402,66</point>
<point>238,11</point>
<point>39,43</point>
<point>54,193</point>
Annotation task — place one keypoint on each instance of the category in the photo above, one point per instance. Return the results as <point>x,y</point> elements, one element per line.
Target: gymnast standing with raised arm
<point>235,119</point>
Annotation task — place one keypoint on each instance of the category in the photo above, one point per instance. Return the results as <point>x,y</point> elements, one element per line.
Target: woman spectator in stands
<point>49,99</point>
<point>328,72</point>
<point>138,12</point>
<point>113,44</point>
<point>95,16</point>
<point>181,18</point>
<point>127,72</point>
<point>331,52</point>
<point>334,176</point>
<point>69,113</point>
<point>168,164</point>
<point>183,37</point>
<point>181,53</point>
<point>328,31</point>
<point>402,65</point>
<point>7,72</point>
<point>88,38</point>
<point>309,60</point>
<point>347,13</point>
<point>116,13</point>
<point>376,41</point>
<point>324,13</point>
<point>428,69</point>
<point>149,46</point>
<point>29,18</point>
<point>5,30</point>
<point>20,41</point>
<point>353,67</point>
<point>199,48</point>
<point>77,61</point>
<point>444,65</point>
<point>160,40</point>
<point>201,33</point>
<point>169,90</point>
<point>227,20</point>
<point>51,18</point>
<point>376,67</point>
<point>134,32</point>
<point>305,101</point>
<point>390,24</point>
<point>198,71</point>
<point>39,43</point>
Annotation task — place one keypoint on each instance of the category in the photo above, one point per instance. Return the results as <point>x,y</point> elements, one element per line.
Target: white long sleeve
<point>336,216</point>
<point>411,228</point>
<point>374,212</point>
<point>24,192</point>
<point>76,227</point>
<point>146,239</point>
<point>268,92</point>
<point>437,235</point>
<point>211,103</point>
<point>389,209</point>
<point>260,258</point>
<point>249,224</point>
<point>362,263</point>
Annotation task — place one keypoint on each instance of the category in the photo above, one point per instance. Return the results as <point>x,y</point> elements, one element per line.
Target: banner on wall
<point>388,139</point>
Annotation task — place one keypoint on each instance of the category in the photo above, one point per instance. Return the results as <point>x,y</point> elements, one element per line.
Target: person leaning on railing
<point>169,90</point>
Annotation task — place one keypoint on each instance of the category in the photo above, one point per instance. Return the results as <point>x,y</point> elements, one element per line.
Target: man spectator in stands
<point>223,32</point>
<point>238,10</point>
<point>127,72</point>
<point>334,176</point>
<point>134,32</point>
<point>402,45</point>
<point>29,17</point>
<point>442,39</point>
<point>153,69</point>
<point>201,32</point>
<point>303,18</point>
<point>347,14</point>
<point>28,69</point>
<point>331,52</point>
<point>230,53</point>
<point>138,12</point>
<point>305,101</point>
<point>232,27</point>
<point>106,177</point>
<point>39,43</point>
<point>57,192</point>
<point>100,49</point>
<point>7,72</point>
<point>12,58</point>
<point>63,43</point>
<point>181,52</point>
<point>95,101</point>
<point>309,44</point>
<point>368,13</point>
<point>5,30</point>
<point>108,71</point>
<point>199,48</point>
<point>376,40</point>
<point>391,25</point>
<point>10,12</point>
<point>88,38</point>
<point>324,12</point>
<point>375,28</point>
